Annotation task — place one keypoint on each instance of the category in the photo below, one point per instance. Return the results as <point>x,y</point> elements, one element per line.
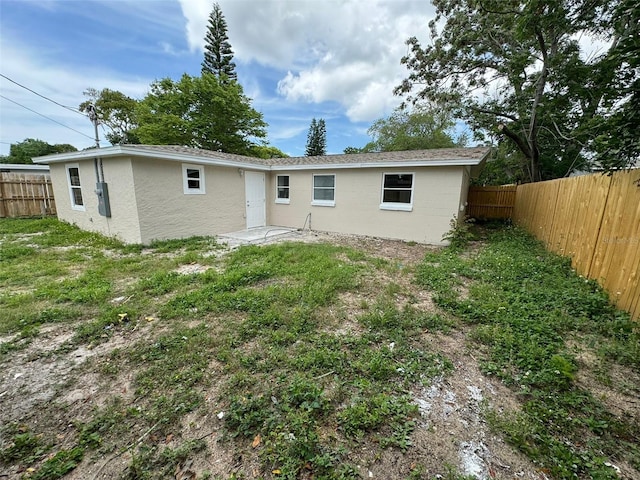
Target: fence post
<point>3,212</point>
<point>597,242</point>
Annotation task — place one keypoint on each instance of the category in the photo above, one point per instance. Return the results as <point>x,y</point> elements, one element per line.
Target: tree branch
<point>505,12</point>
<point>497,114</point>
<point>522,144</point>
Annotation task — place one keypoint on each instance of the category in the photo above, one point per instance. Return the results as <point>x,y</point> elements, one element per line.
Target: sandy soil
<point>451,430</point>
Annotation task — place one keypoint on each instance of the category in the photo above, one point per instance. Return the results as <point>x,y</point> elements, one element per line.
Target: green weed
<point>460,234</point>
<point>524,303</point>
<point>151,461</point>
<point>59,465</point>
<point>389,417</point>
<point>255,338</point>
<point>185,244</point>
<point>24,447</point>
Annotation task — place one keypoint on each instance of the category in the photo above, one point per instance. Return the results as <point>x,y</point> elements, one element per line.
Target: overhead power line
<point>75,110</point>
<point>48,118</point>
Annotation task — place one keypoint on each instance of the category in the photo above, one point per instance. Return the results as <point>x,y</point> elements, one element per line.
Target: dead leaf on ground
<point>184,472</point>
<point>256,441</point>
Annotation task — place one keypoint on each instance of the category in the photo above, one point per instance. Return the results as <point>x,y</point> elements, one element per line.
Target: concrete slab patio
<point>258,235</point>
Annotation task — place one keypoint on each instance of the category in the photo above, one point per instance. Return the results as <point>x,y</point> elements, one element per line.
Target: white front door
<point>256,201</point>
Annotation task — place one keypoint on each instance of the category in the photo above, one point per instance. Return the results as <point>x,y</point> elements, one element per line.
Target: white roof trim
<point>23,166</point>
<point>453,162</point>
<point>178,157</point>
<point>140,152</point>
<point>119,151</point>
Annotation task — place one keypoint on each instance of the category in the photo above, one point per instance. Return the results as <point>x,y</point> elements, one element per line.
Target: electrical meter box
<point>102,191</point>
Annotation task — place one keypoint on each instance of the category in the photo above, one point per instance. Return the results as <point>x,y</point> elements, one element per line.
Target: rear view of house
<point>141,193</point>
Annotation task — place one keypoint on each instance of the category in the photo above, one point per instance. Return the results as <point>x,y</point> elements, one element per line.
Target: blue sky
<point>332,59</point>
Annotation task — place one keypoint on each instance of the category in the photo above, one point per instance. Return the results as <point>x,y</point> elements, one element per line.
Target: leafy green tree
<point>316,138</point>
<point>514,68</point>
<point>218,55</point>
<point>423,127</point>
<point>351,150</point>
<point>203,112</point>
<point>615,137</point>
<point>116,111</point>
<point>503,167</point>
<point>23,152</point>
<point>266,152</point>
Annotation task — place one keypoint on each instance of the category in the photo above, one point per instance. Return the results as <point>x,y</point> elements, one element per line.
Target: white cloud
<point>170,49</point>
<point>323,58</point>
<point>338,51</point>
<point>63,83</point>
<point>286,132</point>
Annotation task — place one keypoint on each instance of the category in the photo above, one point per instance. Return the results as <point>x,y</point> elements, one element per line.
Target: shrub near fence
<point>595,220</point>
<point>26,195</point>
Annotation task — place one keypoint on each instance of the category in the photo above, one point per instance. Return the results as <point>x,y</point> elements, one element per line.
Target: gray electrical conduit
<point>308,218</point>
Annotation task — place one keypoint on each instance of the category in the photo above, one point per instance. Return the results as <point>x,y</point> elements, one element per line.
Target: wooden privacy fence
<point>491,203</point>
<point>595,220</point>
<point>26,195</point>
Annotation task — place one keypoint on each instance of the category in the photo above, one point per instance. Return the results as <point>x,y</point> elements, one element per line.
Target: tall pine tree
<point>316,138</point>
<point>218,55</point>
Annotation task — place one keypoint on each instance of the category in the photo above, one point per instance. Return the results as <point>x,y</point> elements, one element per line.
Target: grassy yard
<point>303,360</point>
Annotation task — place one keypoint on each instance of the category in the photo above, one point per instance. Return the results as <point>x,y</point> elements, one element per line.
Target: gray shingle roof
<point>435,155</point>
<point>440,156</point>
<point>196,152</point>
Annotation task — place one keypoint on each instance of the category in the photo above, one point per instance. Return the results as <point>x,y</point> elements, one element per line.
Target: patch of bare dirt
<point>45,372</point>
<point>192,268</point>
<point>32,375</point>
<point>399,252</point>
<point>451,430</point>
<point>621,392</point>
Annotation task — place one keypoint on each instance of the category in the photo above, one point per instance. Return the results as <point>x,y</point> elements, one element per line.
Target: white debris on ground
<point>441,407</point>
<point>472,458</point>
<point>192,268</point>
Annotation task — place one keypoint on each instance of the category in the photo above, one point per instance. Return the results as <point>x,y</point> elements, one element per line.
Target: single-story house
<point>141,193</point>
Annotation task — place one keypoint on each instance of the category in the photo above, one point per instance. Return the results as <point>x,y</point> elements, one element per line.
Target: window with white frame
<point>282,189</point>
<point>324,190</point>
<point>397,191</point>
<point>193,179</point>
<point>75,189</point>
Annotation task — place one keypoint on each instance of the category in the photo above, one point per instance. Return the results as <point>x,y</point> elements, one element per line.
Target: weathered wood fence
<point>491,203</point>
<point>26,195</point>
<point>595,220</point>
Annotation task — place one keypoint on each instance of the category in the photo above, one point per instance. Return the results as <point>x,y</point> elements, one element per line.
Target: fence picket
<point>25,195</point>
<point>489,203</point>
<point>595,220</point>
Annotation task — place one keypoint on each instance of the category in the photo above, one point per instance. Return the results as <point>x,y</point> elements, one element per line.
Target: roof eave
<point>120,151</point>
<point>23,166</point>
<point>416,163</point>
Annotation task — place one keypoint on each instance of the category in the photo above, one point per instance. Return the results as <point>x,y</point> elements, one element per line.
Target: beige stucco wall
<point>148,202</point>
<point>436,199</point>
<point>118,175</point>
<point>464,193</point>
<point>166,212</point>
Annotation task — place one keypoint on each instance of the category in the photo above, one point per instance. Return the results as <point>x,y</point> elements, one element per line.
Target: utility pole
<point>93,116</point>
<point>102,190</point>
